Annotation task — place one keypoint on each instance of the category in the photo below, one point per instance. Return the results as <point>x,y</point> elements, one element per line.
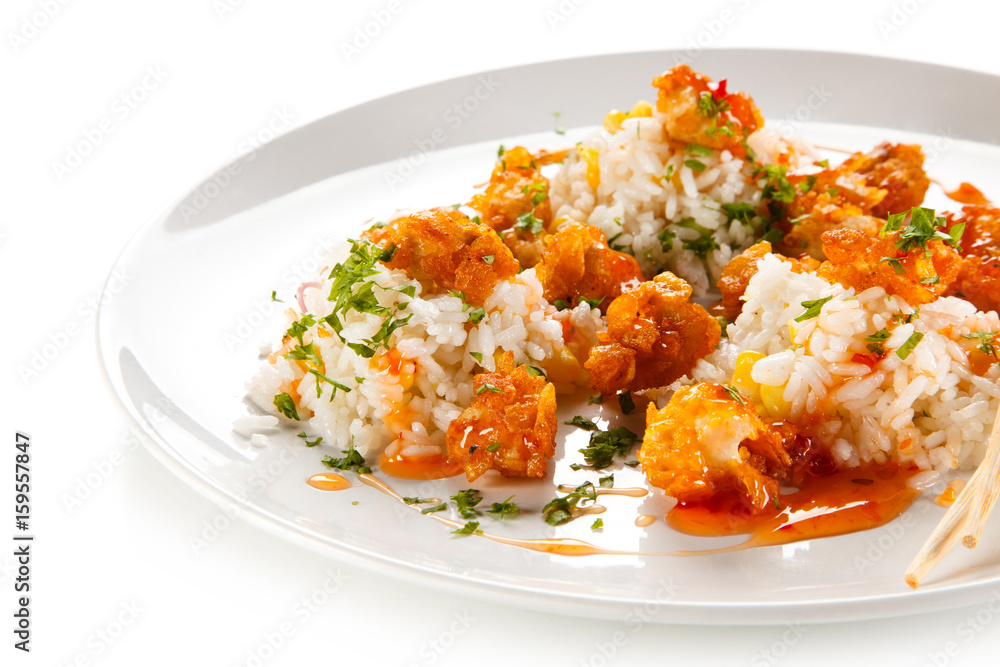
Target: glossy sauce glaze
<point>329,481</point>
<point>435,466</point>
<point>967,193</point>
<point>843,501</point>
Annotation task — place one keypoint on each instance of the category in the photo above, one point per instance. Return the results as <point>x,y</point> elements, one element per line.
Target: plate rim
<point>932,597</point>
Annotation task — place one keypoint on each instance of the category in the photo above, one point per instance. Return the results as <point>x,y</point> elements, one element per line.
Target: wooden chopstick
<point>967,516</point>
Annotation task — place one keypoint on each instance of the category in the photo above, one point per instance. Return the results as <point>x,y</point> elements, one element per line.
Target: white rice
<point>436,372</point>
<point>634,203</point>
<point>928,409</point>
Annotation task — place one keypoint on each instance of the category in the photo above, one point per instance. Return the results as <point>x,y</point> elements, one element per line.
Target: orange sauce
<point>644,520</point>
<point>842,502</point>
<point>435,466</point>
<point>966,193</point>
<point>544,157</point>
<point>329,481</point>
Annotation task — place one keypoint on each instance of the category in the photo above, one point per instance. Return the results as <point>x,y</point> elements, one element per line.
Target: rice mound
<point>930,408</point>
<point>635,203</point>
<point>435,366</point>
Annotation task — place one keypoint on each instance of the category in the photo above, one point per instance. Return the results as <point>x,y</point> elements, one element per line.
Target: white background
<point>124,554</point>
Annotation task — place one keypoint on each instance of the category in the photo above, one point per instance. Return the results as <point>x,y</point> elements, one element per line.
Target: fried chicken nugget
<point>919,275</point>
<point>979,276</point>
<point>710,440</point>
<point>705,113</point>
<point>655,336</point>
<point>578,264</point>
<point>510,425</point>
<point>445,250</point>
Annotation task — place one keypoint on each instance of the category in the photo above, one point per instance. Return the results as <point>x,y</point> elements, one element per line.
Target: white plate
<point>179,343</point>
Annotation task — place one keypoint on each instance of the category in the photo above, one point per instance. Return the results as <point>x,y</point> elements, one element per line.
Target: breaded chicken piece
<point>740,269</point>
<point>702,112</point>
<point>516,204</point>
<point>979,276</point>
<point>655,336</point>
<point>709,440</point>
<point>510,425</point>
<point>578,264</point>
<point>445,250</point>
<point>919,272</point>
<point>858,194</point>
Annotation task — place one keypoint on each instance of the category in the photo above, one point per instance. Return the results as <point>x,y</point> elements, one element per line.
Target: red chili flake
<point>720,93</point>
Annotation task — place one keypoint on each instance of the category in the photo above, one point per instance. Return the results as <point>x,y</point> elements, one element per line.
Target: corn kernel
<point>613,120</point>
<point>642,109</point>
<point>741,374</point>
<point>563,367</point>
<point>589,155</point>
<point>774,401</point>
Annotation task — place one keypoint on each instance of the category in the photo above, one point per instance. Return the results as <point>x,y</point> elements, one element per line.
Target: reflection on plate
<point>179,344</point>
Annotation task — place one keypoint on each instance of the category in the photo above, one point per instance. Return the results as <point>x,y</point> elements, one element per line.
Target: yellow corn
<point>774,401</point>
<point>563,367</point>
<point>741,374</point>
<point>613,120</point>
<point>589,155</point>
<point>641,109</point>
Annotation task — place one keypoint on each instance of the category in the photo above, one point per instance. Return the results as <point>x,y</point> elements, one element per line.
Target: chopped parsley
<point>922,228</point>
<point>607,482</point>
<point>894,262</point>
<point>477,314</point>
<point>593,303</point>
<point>494,446</point>
<point>536,371</point>
<point>582,422</point>
<point>598,524</point>
<point>306,353</point>
<point>487,387</point>
<point>466,502</point>
<point>500,151</point>
<point>274,296</point>
<point>666,238</point>
<point>478,356</point>
<point>416,501</point>
<point>504,509</point>
<point>560,510</point>
<point>560,304</point>
<point>469,528</point>
<point>436,508</point>
<point>735,394</point>
<point>876,342</point>
<point>625,402</point>
<point>596,400</point>
<point>698,149</point>
<point>286,406</point>
<point>813,309</point>
<point>333,383</point>
<point>307,441</point>
<point>710,107</point>
<point>603,445</point>
<point>739,211</point>
<point>529,222</point>
<point>300,326</point>
<point>930,280</point>
<point>987,341</point>
<point>702,246</point>
<point>353,461</point>
<point>536,193</point>
<point>906,348</point>
<point>489,259</point>
<point>695,165</point>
